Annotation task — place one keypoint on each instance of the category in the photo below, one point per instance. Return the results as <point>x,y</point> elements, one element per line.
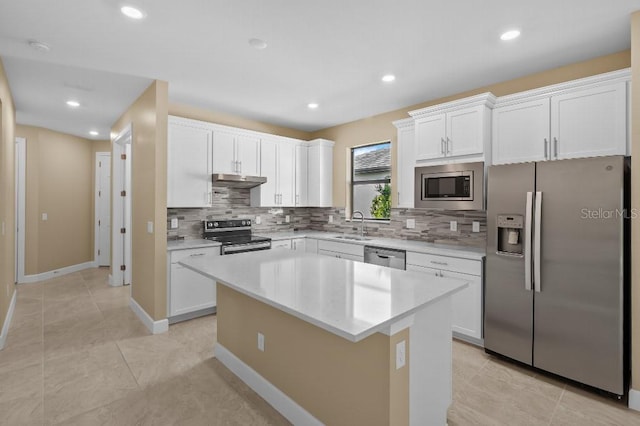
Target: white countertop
<point>350,299</point>
<point>463,252</point>
<point>190,244</point>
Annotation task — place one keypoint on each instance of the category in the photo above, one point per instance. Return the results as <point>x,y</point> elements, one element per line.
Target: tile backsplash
<point>430,225</point>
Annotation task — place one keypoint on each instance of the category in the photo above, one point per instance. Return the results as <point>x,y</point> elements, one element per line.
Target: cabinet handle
<point>546,148</point>
<point>439,263</point>
<point>297,199</point>
<point>442,149</point>
<point>448,145</point>
<point>197,254</point>
<point>239,166</point>
<point>555,147</point>
<point>275,199</point>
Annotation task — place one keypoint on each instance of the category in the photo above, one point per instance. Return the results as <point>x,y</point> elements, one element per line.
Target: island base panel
<point>337,381</point>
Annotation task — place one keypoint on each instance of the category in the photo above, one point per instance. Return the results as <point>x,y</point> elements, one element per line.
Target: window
<point>370,180</point>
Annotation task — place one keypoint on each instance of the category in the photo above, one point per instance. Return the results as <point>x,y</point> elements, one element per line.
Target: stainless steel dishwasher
<point>385,257</point>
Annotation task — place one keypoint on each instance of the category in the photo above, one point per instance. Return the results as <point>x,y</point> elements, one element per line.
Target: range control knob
<point>248,222</point>
<point>215,224</point>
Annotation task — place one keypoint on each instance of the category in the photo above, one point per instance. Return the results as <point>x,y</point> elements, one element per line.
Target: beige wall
<point>234,121</point>
<point>635,201</point>
<point>148,116</point>
<point>7,195</point>
<point>379,127</point>
<point>60,173</point>
<point>327,375</point>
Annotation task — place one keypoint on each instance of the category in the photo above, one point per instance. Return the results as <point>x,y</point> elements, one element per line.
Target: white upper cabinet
<point>521,132</point>
<point>235,152</point>
<point>458,129</point>
<point>278,166</point>
<point>302,169</point>
<point>188,165</point>
<point>406,163</point>
<point>320,184</point>
<point>580,118</point>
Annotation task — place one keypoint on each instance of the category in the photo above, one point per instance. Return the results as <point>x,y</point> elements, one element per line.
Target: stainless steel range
<point>235,236</point>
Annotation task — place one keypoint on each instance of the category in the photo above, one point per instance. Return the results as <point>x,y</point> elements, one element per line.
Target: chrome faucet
<point>361,222</point>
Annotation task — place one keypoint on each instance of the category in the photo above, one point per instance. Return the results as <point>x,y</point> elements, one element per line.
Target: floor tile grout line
<point>555,409</point>
<point>128,366</point>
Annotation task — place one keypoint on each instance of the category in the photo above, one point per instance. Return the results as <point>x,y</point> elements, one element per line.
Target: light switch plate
<point>330,218</point>
<point>261,342</point>
<point>411,223</point>
<point>453,225</point>
<point>258,220</point>
<point>475,226</point>
<point>174,223</point>
<point>287,218</point>
<point>150,227</point>
<point>45,216</point>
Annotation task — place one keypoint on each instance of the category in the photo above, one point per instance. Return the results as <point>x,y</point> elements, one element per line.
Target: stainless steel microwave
<point>450,186</point>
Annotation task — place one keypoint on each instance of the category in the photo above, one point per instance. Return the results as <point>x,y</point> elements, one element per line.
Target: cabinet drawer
<point>346,248</point>
<point>446,263</point>
<point>178,255</point>
<point>281,244</point>
<point>337,255</point>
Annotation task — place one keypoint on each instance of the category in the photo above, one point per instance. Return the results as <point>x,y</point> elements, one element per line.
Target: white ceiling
<point>333,52</point>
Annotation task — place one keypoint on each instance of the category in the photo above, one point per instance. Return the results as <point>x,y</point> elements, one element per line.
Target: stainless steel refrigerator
<point>556,278</point>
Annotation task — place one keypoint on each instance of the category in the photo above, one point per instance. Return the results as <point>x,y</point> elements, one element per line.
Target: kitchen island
<point>332,341</point>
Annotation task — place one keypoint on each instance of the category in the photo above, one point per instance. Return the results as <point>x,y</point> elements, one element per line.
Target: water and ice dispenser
<point>510,234</point>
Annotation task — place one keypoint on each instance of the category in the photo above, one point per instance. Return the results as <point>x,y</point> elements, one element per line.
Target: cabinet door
<point>429,137</point>
<point>188,166</point>
<point>302,158</point>
<point>269,169</point>
<point>248,155</point>
<point>223,155</point>
<point>311,245</point>
<point>406,167</point>
<point>299,244</point>
<point>590,122</point>
<point>521,132</point>
<point>467,305</point>
<point>465,131</point>
<point>190,291</point>
<point>286,173</point>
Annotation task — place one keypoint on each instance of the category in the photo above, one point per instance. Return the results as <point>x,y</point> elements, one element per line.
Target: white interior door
<point>121,198</point>
<point>103,209</point>
<point>21,158</point>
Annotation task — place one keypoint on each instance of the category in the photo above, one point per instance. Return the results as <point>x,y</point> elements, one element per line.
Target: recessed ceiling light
<point>388,78</point>
<point>73,104</point>
<point>312,105</point>
<point>257,43</point>
<point>94,133</point>
<point>39,46</point>
<point>510,35</point>
<point>132,12</point>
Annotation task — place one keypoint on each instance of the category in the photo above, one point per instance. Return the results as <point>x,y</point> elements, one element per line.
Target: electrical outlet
<point>475,226</point>
<point>287,218</point>
<point>261,342</point>
<point>258,220</point>
<point>45,216</point>
<point>411,223</point>
<point>330,218</point>
<point>174,223</point>
<point>453,225</point>
<point>401,358</point>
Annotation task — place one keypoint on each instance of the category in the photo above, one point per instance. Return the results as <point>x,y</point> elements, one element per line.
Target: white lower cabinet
<point>310,245</point>
<point>341,250</point>
<point>467,303</point>
<point>189,291</point>
<point>299,244</point>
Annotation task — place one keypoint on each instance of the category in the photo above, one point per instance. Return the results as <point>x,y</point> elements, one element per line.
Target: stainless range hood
<point>236,181</point>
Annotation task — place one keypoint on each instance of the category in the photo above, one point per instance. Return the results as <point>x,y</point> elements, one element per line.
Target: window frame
<point>368,182</point>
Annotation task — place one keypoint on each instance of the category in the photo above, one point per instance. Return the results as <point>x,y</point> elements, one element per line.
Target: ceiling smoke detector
<point>39,46</point>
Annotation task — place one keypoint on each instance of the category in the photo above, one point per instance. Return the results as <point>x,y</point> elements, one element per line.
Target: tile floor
<point>77,355</point>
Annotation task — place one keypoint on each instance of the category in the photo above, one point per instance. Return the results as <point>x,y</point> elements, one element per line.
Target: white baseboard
<point>57,272</point>
<point>634,399</point>
<point>7,321</point>
<point>155,327</point>
<point>274,396</point>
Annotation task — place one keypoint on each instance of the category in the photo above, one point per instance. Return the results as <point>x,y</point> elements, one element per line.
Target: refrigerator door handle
<point>527,242</point>
<point>536,241</point>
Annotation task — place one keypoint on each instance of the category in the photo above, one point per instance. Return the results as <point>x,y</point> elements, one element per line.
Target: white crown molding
<point>484,99</point>
<point>405,123</point>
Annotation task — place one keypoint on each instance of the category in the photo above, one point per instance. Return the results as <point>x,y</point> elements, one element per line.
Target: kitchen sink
<point>352,237</point>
